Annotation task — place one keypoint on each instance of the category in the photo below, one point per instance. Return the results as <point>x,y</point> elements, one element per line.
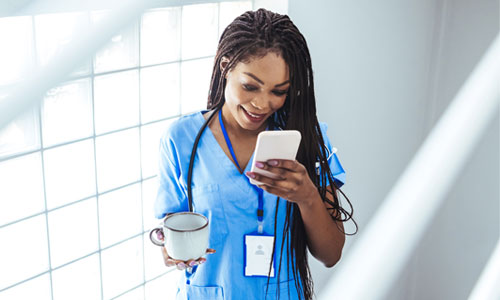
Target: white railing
<point>488,285</point>
<point>381,251</point>
<point>31,91</point>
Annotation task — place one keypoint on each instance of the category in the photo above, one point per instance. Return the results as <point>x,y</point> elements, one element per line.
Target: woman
<point>262,80</point>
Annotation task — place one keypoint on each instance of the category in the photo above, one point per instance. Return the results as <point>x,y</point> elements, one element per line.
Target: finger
<point>291,165</point>
<point>181,266</point>
<point>168,261</point>
<point>275,191</point>
<point>192,263</point>
<point>264,179</point>
<point>202,260</point>
<point>210,251</point>
<point>280,172</point>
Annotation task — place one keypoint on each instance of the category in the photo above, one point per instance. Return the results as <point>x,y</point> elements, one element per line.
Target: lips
<point>253,116</point>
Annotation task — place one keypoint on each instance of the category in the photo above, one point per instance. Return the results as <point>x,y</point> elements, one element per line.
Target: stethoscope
<point>195,147</point>
<point>193,153</point>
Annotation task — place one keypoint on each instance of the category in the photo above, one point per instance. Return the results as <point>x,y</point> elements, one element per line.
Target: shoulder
<point>324,128</point>
<point>183,128</point>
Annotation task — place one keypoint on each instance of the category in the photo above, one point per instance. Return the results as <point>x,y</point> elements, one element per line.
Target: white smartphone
<point>282,144</point>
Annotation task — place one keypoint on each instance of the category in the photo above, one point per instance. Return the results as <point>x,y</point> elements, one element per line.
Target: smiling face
<point>254,91</point>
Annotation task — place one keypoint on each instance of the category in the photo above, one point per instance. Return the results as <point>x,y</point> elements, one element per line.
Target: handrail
<point>377,257</point>
<point>31,91</point>
<point>488,285</point>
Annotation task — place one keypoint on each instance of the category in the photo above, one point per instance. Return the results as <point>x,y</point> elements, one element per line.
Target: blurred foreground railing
<point>31,91</point>
<point>488,285</point>
<point>381,251</point>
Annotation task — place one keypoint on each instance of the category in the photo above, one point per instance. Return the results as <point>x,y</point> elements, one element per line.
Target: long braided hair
<point>252,35</point>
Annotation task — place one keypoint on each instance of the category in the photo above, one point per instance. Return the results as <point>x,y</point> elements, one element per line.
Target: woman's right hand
<point>182,265</point>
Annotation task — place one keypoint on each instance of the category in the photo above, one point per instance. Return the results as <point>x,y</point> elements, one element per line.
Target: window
<point>78,173</point>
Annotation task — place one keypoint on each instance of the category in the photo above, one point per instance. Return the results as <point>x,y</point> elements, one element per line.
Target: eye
<point>280,92</point>
<point>249,87</point>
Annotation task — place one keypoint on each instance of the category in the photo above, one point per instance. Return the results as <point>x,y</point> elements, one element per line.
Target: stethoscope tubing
<point>193,153</point>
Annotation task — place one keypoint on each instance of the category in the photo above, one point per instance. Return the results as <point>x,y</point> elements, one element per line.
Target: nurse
<point>259,236</point>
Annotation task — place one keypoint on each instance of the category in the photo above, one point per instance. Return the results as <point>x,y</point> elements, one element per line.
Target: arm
<point>325,239</point>
<point>325,236</point>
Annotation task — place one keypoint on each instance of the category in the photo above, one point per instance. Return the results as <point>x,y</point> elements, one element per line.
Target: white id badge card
<point>258,252</point>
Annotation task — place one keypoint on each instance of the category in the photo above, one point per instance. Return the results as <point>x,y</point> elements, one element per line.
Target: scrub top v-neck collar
<point>230,168</point>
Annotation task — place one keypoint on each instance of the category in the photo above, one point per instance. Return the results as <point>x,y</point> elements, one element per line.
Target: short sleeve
<point>333,160</point>
<point>171,196</point>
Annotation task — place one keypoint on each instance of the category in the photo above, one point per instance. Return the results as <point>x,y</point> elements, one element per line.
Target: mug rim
<point>185,213</point>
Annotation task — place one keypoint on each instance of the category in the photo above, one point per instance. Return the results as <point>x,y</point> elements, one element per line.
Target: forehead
<point>271,68</point>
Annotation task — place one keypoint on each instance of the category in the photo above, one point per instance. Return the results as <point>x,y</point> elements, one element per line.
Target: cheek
<point>235,94</point>
<point>278,103</point>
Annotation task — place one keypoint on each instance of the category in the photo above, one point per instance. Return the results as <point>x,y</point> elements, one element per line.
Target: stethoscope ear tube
<point>193,153</point>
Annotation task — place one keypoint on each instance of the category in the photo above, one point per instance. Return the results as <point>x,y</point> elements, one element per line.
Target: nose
<point>260,103</point>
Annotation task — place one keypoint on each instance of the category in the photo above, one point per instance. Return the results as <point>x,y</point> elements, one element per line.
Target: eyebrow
<point>262,82</point>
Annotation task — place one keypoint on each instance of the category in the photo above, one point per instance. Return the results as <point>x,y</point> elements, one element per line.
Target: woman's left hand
<point>293,182</point>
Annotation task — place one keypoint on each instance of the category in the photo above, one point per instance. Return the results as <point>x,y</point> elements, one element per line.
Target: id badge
<point>258,253</point>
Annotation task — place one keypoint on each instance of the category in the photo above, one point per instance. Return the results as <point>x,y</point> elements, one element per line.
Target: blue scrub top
<point>229,201</point>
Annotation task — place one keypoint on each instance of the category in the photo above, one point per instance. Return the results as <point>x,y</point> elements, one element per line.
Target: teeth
<point>255,116</point>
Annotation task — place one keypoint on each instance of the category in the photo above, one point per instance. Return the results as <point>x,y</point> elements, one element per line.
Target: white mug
<point>185,235</point>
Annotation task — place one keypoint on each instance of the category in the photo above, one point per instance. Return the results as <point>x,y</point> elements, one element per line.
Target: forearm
<point>324,237</point>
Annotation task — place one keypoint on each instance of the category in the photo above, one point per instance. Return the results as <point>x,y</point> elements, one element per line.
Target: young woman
<point>262,80</point>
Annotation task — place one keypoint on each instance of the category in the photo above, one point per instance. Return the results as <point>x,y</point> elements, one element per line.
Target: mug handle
<point>153,239</point>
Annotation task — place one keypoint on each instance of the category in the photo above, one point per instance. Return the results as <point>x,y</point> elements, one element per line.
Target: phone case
<point>282,144</point>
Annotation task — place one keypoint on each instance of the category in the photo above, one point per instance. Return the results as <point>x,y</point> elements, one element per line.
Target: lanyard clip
<point>260,228</point>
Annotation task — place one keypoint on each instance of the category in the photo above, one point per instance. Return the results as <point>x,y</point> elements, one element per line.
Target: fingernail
<point>273,162</point>
<point>181,266</point>
<point>193,263</point>
<point>250,174</point>
<point>202,261</point>
<point>259,165</point>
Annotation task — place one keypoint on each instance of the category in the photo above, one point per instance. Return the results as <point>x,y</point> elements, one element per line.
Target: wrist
<point>309,202</point>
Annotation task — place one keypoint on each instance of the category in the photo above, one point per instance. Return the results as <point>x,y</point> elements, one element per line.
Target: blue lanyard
<point>260,192</point>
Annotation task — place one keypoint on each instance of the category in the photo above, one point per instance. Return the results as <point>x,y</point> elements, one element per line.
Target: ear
<point>223,63</point>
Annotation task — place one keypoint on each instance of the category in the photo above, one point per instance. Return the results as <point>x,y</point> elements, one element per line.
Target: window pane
<point>122,267</point>
<point>55,31</point>
<point>150,145</point>
<point>199,30</point>
<point>195,82</point>
<point>78,281</point>
<point>73,232</point>
<point>117,159</point>
<point>21,191</point>
<point>69,173</point>
<point>153,259</point>
<point>67,113</point>
<point>20,135</point>
<point>120,215</point>
<point>149,189</point>
<point>38,288</point>
<point>16,52</point>
<point>116,101</point>
<point>160,96</point>
<point>136,294</point>
<point>230,10</point>
<point>24,251</point>
<point>119,53</point>
<point>164,287</point>
<point>160,36</point>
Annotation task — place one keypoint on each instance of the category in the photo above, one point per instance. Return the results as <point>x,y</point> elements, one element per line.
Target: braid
<point>252,35</point>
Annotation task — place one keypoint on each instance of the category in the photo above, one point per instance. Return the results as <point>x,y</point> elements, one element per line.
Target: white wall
<point>384,72</point>
<point>452,255</point>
